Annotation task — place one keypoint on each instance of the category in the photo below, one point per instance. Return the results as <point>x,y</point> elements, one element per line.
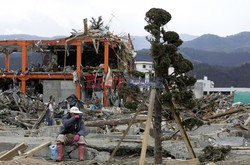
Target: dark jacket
<point>69,122</point>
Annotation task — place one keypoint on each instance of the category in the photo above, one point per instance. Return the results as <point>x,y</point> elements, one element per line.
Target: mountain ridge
<point>26,37</point>
<point>139,42</point>
<point>239,42</point>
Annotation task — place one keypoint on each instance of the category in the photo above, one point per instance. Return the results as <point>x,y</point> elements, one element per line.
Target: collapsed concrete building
<point>69,63</point>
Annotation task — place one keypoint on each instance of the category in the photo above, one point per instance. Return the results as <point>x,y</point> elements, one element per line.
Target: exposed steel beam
<point>24,56</point>
<point>23,86</point>
<point>7,60</point>
<point>106,64</point>
<point>38,76</point>
<point>52,42</point>
<point>78,68</point>
<point>24,64</point>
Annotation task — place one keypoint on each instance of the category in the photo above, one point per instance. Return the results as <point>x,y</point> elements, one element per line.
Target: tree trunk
<point>157,129</point>
<point>112,122</point>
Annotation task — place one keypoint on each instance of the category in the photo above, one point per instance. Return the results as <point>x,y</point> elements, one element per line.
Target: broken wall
<point>59,89</point>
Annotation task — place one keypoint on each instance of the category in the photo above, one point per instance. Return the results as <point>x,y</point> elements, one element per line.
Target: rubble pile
<point>214,154</point>
<point>216,108</point>
<point>22,111</point>
<point>212,104</point>
<point>19,110</point>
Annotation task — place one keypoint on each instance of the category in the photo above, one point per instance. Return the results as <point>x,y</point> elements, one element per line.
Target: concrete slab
<point>209,129</point>
<point>231,141</point>
<point>15,133</point>
<point>71,152</point>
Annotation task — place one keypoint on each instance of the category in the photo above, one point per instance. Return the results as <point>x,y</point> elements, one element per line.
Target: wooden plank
<point>183,133</point>
<point>85,24</point>
<point>112,122</point>
<point>13,152</point>
<point>36,149</point>
<point>247,120</point>
<point>41,117</point>
<point>231,111</point>
<point>126,140</point>
<point>3,152</point>
<point>148,123</point>
<point>240,148</point>
<point>184,162</point>
<point>141,117</point>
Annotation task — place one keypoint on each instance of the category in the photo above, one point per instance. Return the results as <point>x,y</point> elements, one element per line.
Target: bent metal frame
<point>49,75</point>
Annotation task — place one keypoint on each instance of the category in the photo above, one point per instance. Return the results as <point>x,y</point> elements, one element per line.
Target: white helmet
<point>74,110</point>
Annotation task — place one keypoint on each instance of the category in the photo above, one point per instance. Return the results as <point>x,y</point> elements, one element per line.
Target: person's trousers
<point>68,139</point>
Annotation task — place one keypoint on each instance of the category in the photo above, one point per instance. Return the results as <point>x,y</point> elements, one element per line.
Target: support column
<point>78,68</point>
<point>7,61</point>
<point>23,85</point>
<point>24,65</point>
<point>106,65</point>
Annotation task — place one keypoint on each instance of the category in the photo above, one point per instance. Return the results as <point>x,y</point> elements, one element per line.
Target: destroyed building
<point>70,65</point>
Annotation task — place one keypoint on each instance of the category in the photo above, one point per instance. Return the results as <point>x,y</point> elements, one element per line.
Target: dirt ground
<point>244,160</point>
<point>27,161</point>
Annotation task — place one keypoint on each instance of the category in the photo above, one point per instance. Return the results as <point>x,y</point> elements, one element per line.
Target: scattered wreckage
<point>107,57</point>
<point>219,123</point>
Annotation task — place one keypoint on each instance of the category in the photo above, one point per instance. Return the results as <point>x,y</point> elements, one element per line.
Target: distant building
<point>145,67</point>
<point>205,87</point>
<point>144,64</point>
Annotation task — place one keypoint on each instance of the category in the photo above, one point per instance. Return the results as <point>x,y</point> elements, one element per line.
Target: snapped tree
<point>176,85</point>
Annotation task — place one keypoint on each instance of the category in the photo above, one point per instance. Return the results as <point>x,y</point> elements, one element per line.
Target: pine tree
<point>164,50</point>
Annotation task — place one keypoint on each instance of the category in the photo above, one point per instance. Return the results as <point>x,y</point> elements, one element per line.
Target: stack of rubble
<point>22,111</point>
<point>217,108</point>
<point>19,110</point>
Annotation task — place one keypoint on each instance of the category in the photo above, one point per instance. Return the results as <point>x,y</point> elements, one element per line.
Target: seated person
<point>73,131</point>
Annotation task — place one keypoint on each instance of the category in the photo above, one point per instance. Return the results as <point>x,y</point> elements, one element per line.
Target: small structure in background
<point>144,64</point>
<point>204,87</point>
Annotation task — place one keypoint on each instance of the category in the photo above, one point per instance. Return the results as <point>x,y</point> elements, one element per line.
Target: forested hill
<point>140,42</point>
<point>209,42</point>
<point>230,59</point>
<point>224,76</point>
<point>200,56</point>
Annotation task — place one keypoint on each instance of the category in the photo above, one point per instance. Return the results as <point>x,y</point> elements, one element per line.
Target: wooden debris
<point>85,24</point>
<point>165,138</point>
<point>16,108</point>
<point>3,152</point>
<point>231,111</point>
<point>112,122</point>
<point>36,149</point>
<point>124,134</point>
<point>40,119</point>
<point>126,140</point>
<point>184,162</point>
<point>247,120</point>
<point>240,148</point>
<point>13,152</point>
<point>183,133</point>
<point>148,123</point>
<point>241,126</point>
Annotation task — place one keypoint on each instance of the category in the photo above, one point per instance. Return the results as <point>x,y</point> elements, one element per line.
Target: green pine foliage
<point>165,53</point>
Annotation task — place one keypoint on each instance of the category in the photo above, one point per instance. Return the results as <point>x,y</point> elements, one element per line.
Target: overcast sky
<point>58,17</point>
